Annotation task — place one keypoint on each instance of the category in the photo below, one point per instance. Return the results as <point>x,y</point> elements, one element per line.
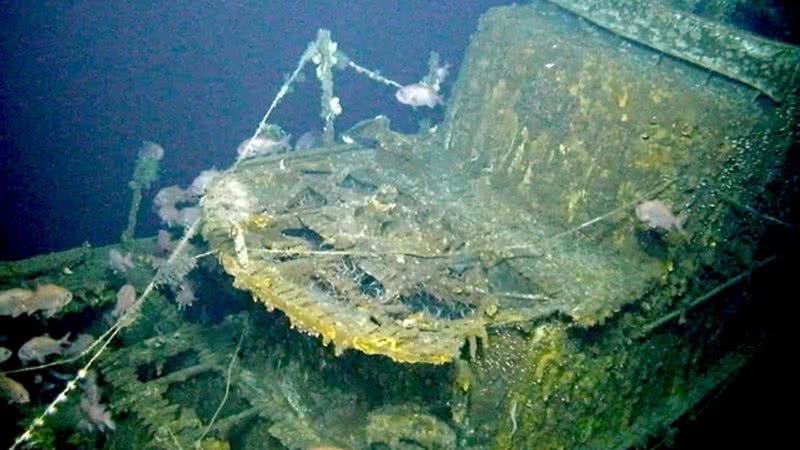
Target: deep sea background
<point>83,83</point>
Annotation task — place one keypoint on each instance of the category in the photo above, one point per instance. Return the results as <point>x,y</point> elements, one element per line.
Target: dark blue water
<point>84,82</point>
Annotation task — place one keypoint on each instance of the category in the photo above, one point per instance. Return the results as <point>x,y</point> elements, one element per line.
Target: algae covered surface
<point>488,283</point>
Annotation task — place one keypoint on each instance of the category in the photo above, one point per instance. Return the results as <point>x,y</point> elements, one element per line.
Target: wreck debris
<point>405,263</point>
<point>171,421</point>
<point>397,424</point>
<point>145,173</point>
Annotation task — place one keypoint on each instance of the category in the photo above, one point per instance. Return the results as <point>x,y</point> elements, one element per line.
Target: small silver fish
<point>657,214</point>
<point>48,298</point>
<point>262,145</point>
<point>418,94</point>
<point>41,347</point>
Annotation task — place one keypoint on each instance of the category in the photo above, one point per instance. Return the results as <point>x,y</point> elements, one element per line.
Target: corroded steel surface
<point>768,66</point>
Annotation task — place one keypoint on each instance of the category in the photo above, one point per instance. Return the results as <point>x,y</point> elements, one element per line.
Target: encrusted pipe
<point>325,59</point>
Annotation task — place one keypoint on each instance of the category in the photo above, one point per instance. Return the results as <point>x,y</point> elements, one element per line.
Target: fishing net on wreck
<point>392,250</point>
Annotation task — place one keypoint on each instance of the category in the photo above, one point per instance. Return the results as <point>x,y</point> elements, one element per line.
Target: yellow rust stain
<point>622,99</point>
<point>260,220</point>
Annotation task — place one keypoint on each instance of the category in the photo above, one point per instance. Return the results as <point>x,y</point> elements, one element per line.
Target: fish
<point>61,376</point>
<point>126,297</point>
<point>79,345</point>
<point>13,391</point>
<point>185,296</point>
<point>97,416</point>
<point>657,214</point>
<point>171,196</point>
<point>40,347</point>
<point>419,94</point>
<point>262,145</point>
<point>13,302</point>
<point>201,182</point>
<point>120,263</point>
<point>5,354</point>
<point>307,140</point>
<point>49,298</point>
<point>190,215</point>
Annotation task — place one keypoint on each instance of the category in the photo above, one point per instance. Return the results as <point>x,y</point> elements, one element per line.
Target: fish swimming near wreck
<point>47,298</point>
<point>126,297</point>
<point>419,94</point>
<point>13,391</point>
<point>426,91</point>
<point>81,343</point>
<point>659,215</point>
<point>40,347</point>
<point>262,145</point>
